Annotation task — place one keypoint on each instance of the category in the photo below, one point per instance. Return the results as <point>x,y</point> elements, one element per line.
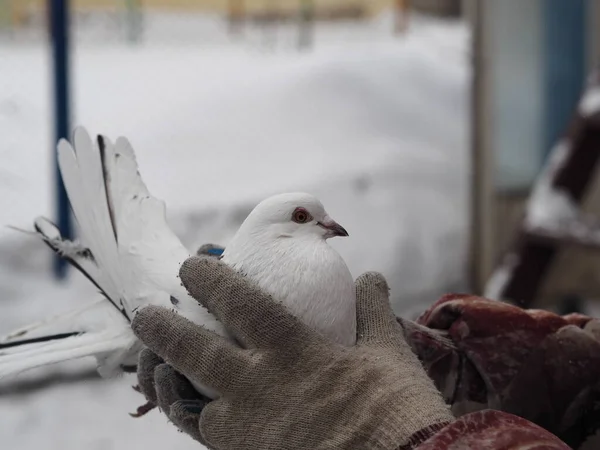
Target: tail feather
<point>80,257</point>
<point>94,316</point>
<point>100,344</point>
<point>93,330</point>
<point>122,226</point>
<point>37,340</point>
<point>83,175</point>
<point>126,249</point>
<point>149,250</point>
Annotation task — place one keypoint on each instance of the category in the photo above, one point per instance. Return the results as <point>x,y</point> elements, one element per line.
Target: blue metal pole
<point>565,48</point>
<point>59,29</point>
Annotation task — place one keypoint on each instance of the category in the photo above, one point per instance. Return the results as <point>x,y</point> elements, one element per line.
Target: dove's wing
<point>126,249</point>
<point>149,250</point>
<point>120,222</point>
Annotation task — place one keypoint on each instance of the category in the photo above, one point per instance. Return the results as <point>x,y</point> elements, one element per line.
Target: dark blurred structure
<point>443,8</point>
<point>531,59</point>
<point>531,363</point>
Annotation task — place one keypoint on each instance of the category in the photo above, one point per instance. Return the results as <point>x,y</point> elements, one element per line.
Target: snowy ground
<point>373,125</point>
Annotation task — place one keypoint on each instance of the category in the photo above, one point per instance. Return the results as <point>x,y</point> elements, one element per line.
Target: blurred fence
<point>126,19</point>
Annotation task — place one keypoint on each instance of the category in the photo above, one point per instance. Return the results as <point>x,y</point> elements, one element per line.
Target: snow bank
<point>374,125</point>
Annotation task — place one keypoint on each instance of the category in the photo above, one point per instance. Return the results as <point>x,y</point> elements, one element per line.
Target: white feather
<point>128,251</point>
<point>99,344</point>
<point>294,263</point>
<point>78,320</point>
<point>126,248</point>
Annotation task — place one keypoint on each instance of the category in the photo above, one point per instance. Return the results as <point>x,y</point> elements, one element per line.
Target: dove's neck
<point>304,273</point>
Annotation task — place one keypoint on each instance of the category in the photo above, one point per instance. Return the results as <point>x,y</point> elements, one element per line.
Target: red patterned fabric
<point>534,364</point>
<point>493,430</point>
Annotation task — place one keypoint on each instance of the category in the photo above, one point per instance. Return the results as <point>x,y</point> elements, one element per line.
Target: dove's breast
<point>313,281</point>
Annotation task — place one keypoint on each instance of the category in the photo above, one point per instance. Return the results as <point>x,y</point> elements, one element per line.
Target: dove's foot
<point>143,410</point>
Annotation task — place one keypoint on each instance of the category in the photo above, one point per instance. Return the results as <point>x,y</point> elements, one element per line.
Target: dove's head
<point>293,215</point>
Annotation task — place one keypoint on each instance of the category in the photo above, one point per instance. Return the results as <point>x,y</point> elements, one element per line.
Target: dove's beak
<point>333,228</point>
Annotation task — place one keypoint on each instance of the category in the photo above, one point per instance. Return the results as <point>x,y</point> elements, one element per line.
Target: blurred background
<point>423,126</point>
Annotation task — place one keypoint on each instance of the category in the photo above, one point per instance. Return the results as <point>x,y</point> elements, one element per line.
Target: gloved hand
<point>532,363</point>
<point>288,387</point>
<point>147,360</point>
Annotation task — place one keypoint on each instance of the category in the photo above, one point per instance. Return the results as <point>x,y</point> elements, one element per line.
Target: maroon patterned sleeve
<point>484,354</point>
<point>493,430</point>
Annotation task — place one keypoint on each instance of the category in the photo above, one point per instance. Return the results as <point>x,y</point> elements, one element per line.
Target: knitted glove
<point>532,363</point>
<point>287,387</point>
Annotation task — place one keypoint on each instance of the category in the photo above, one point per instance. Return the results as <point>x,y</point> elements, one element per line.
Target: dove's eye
<point>301,215</point>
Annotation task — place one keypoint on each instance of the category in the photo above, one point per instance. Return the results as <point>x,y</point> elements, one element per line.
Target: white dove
<point>131,255</point>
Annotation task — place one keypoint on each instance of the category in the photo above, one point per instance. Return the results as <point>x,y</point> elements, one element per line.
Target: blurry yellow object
<point>402,8</point>
<point>21,8</point>
<point>18,12</point>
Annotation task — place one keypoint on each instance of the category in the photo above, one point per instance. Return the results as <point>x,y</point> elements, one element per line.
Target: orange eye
<point>301,216</point>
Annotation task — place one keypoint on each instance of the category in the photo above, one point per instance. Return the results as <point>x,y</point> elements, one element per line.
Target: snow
<point>500,277</point>
<point>590,102</point>
<point>372,124</point>
<point>549,207</point>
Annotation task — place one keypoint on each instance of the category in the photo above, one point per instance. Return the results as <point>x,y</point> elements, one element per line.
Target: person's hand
<point>149,374</point>
<point>287,386</point>
<point>532,363</point>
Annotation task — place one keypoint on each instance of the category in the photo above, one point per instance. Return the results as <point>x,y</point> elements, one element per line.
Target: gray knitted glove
<point>289,387</point>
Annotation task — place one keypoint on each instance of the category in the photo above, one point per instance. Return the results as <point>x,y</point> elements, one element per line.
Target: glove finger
<point>482,317</point>
<point>172,387</point>
<point>185,414</point>
<point>438,355</point>
<point>147,363</point>
<point>376,323</point>
<point>216,425</point>
<point>252,316</point>
<point>169,335</point>
<point>178,399</point>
